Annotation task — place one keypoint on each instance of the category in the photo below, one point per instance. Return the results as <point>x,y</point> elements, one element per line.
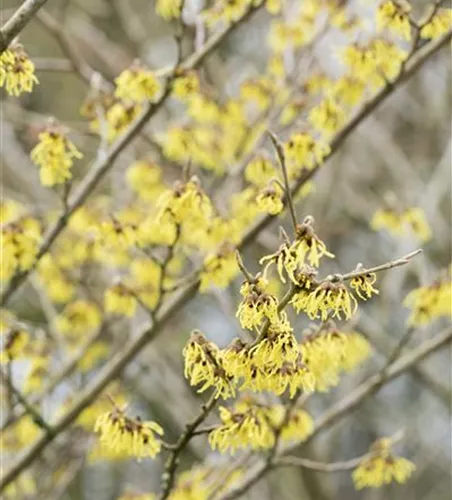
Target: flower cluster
<point>430,302</point>
<point>55,155</point>
<point>17,72</point>
<point>128,437</point>
<point>137,84</point>
<point>204,365</point>
<point>252,425</point>
<point>19,245</point>
<point>382,467</point>
<point>399,222</point>
<point>290,257</point>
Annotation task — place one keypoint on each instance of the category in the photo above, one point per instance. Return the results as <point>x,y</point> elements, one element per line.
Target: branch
<point>18,21</point>
<point>169,474</point>
<point>37,418</point>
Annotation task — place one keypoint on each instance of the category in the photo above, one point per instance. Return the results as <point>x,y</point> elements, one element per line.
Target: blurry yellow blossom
<point>430,302</point>
<point>19,435</point>
<point>399,222</point>
<point>19,246</point>
<point>260,171</point>
<point>382,467</point>
<point>95,353</point>
<point>78,319</point>
<point>14,344</point>
<point>55,154</point>
<point>144,177</point>
<point>17,72</point>
<point>270,199</point>
<point>327,117</point>
<point>395,16</point>
<point>119,299</point>
<point>219,268</point>
<point>439,25</point>
<point>186,85</point>
<point>58,287</point>
<point>137,84</point>
<point>169,9</point>
<point>9,211</point>
<point>303,151</point>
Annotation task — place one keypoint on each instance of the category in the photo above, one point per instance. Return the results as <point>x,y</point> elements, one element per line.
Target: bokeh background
<point>400,154</point>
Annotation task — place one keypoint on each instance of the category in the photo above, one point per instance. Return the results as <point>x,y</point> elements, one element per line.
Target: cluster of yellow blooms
<point>17,72</point>
<point>430,302</point>
<point>55,154</point>
<point>398,223</point>
<point>251,425</point>
<point>382,467</point>
<point>128,437</point>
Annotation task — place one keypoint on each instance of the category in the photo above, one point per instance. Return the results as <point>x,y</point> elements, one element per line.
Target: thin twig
<point>288,192</point>
<point>169,474</point>
<point>37,418</point>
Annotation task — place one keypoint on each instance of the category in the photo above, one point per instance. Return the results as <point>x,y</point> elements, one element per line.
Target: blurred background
<point>401,154</point>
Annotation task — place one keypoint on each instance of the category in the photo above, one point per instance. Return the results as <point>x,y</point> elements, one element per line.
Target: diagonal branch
<point>18,21</point>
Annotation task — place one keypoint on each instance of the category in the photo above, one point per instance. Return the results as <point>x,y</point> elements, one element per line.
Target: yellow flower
<point>394,17</point>
<point>248,428</point>
<point>440,24</point>
<point>256,305</point>
<point>398,222</point>
<point>363,285</point>
<point>10,210</point>
<point>57,285</point>
<point>169,9</point>
<point>299,426</point>
<point>302,151</point>
<point>19,435</point>
<point>430,302</point>
<point>219,268</point>
<point>227,10</point>
<point>95,353</point>
<point>17,72</point>
<point>290,258</point>
<point>128,437</point>
<point>186,85</point>
<point>55,154</point>
<point>119,299</point>
<point>78,319</point>
<point>137,84</point>
<point>260,171</point>
<point>382,467</point>
<point>187,203</point>
<point>327,117</point>
<point>118,118</point>
<point>145,177</point>
<point>204,365</point>
<point>269,200</point>
<point>415,218</point>
<point>348,90</point>
<point>19,246</point>
<point>328,298</point>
